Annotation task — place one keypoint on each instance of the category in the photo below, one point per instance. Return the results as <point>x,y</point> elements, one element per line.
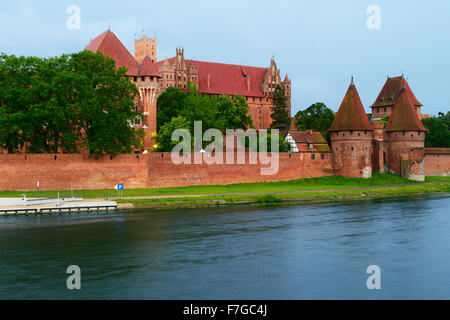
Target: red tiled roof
<point>302,136</point>
<point>148,68</point>
<point>228,79</point>
<point>390,93</point>
<point>404,116</point>
<point>304,147</point>
<point>108,44</point>
<point>351,114</point>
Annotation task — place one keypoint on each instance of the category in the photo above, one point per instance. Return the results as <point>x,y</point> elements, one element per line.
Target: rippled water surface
<point>316,251</point>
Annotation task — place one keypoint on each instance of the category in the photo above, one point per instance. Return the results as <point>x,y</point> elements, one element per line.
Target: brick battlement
<point>60,171</point>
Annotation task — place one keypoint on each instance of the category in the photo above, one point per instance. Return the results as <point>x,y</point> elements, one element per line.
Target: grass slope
<point>321,183</point>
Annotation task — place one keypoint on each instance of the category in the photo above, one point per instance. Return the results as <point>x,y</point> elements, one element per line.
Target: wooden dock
<point>57,210</point>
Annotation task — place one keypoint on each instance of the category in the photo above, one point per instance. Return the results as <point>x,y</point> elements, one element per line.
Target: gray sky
<point>320,44</point>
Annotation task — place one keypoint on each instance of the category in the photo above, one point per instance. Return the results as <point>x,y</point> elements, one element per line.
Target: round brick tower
<point>406,140</point>
<point>351,138</point>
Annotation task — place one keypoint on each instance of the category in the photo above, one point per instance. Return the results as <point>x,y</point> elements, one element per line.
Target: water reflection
<point>296,252</point>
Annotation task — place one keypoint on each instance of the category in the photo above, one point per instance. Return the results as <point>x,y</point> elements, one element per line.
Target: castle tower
<point>286,84</point>
<point>389,95</point>
<point>406,139</point>
<point>145,47</point>
<point>351,138</point>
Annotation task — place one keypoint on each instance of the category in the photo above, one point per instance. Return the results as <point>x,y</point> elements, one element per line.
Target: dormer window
<point>311,146</point>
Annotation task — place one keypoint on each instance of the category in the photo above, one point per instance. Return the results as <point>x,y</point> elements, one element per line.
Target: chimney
<point>208,80</point>
<point>310,132</point>
<point>248,83</point>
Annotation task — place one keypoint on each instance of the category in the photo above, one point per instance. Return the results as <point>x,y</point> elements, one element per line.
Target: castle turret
<point>145,47</point>
<point>388,98</point>
<point>406,135</point>
<point>351,138</point>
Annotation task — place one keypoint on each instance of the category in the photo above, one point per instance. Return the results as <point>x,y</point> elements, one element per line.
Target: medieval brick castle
<point>360,145</point>
<point>152,77</point>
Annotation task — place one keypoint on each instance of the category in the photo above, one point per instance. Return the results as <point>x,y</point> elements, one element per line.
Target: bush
<point>269,199</point>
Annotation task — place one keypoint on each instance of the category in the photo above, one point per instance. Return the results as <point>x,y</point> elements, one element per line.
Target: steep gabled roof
<point>307,137</point>
<point>148,68</point>
<point>303,139</point>
<point>390,93</point>
<point>227,79</point>
<point>351,114</point>
<point>108,44</point>
<point>404,116</point>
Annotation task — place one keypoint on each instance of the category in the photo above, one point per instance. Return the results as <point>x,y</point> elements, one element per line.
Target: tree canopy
<point>280,109</point>
<point>177,109</point>
<point>438,135</point>
<point>316,117</point>
<point>66,103</point>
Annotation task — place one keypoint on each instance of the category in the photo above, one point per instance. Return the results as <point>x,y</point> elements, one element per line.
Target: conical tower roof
<point>108,44</point>
<point>148,68</point>
<point>391,91</point>
<point>404,116</point>
<point>351,114</point>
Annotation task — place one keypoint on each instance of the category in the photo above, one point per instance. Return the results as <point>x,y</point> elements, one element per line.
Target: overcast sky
<point>320,44</point>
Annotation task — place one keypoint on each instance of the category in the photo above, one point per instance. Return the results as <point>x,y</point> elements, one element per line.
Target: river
<point>315,251</point>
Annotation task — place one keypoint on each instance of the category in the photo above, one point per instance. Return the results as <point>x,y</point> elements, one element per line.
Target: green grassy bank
<point>321,183</point>
<point>320,189</point>
<point>287,198</point>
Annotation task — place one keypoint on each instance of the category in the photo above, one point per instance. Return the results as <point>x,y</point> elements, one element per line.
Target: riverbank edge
<point>274,199</point>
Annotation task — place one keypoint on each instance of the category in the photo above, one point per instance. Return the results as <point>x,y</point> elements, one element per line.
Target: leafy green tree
<point>201,108</point>
<point>64,103</point>
<point>316,117</point>
<point>438,135</point>
<point>53,114</point>
<point>15,98</point>
<point>105,98</point>
<point>280,109</point>
<point>283,146</point>
<point>233,113</point>
<point>169,105</point>
<point>164,137</point>
<point>220,112</point>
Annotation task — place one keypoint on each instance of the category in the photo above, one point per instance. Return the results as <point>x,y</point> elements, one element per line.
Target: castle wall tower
<point>388,98</point>
<point>406,140</point>
<point>351,138</point>
<point>145,47</point>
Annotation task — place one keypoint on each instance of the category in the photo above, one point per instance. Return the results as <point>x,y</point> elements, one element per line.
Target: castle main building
<point>152,77</point>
